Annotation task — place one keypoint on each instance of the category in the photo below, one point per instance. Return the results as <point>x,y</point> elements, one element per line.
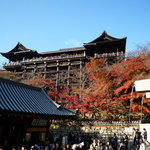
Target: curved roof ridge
<point>104,37</point>
<point>57,105</point>
<point>73,48</point>
<point>20,84</point>
<point>20,47</point>
<point>18,97</point>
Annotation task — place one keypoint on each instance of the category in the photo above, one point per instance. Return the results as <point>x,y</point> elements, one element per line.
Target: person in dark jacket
<point>138,136</point>
<point>114,142</point>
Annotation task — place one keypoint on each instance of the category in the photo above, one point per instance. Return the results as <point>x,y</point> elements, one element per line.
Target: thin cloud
<point>72,43</point>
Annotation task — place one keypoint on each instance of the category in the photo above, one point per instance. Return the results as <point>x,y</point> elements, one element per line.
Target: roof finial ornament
<point>19,43</point>
<point>104,32</point>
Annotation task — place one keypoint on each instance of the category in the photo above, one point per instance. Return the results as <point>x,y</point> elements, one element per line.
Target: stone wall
<point>95,128</point>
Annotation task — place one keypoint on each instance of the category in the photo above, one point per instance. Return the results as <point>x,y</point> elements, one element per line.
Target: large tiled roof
<point>19,97</point>
<point>103,38</point>
<point>65,50</point>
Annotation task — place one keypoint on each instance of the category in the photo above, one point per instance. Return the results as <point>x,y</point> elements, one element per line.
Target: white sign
<point>142,85</point>
<point>128,129</point>
<point>148,95</point>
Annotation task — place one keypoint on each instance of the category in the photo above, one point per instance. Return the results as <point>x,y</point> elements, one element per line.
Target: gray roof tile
<point>19,97</point>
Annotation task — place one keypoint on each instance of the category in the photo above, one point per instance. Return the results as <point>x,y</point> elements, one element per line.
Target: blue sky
<point>46,25</point>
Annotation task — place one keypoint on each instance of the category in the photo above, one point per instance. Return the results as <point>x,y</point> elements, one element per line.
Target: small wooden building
<point>25,112</point>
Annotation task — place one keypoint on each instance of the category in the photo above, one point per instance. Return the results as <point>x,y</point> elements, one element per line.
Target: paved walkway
<point>132,147</point>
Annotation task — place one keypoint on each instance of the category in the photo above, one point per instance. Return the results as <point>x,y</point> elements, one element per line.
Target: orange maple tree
<point>109,94</point>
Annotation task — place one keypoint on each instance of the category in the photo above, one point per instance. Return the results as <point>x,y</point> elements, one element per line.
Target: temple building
<point>64,66</point>
<point>26,112</point>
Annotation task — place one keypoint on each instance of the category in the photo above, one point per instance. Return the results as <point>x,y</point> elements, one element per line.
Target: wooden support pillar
<point>68,77</point>
<point>34,70</point>
<point>80,84</point>
<point>80,74</point>
<point>84,54</point>
<point>57,74</point>
<point>45,69</point>
<point>24,72</point>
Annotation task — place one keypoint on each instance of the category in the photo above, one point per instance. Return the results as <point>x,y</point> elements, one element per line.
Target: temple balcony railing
<point>17,63</point>
<point>44,59</point>
<point>106,55</point>
<point>49,58</point>
<point>61,57</point>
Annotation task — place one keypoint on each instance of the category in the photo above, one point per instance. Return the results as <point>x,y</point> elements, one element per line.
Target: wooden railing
<point>113,54</point>
<point>42,59</point>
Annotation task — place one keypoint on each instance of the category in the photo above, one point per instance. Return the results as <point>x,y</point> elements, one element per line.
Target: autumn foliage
<point>10,75</point>
<point>110,94</point>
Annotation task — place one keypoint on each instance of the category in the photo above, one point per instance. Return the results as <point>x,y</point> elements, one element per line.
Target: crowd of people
<point>86,142</point>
